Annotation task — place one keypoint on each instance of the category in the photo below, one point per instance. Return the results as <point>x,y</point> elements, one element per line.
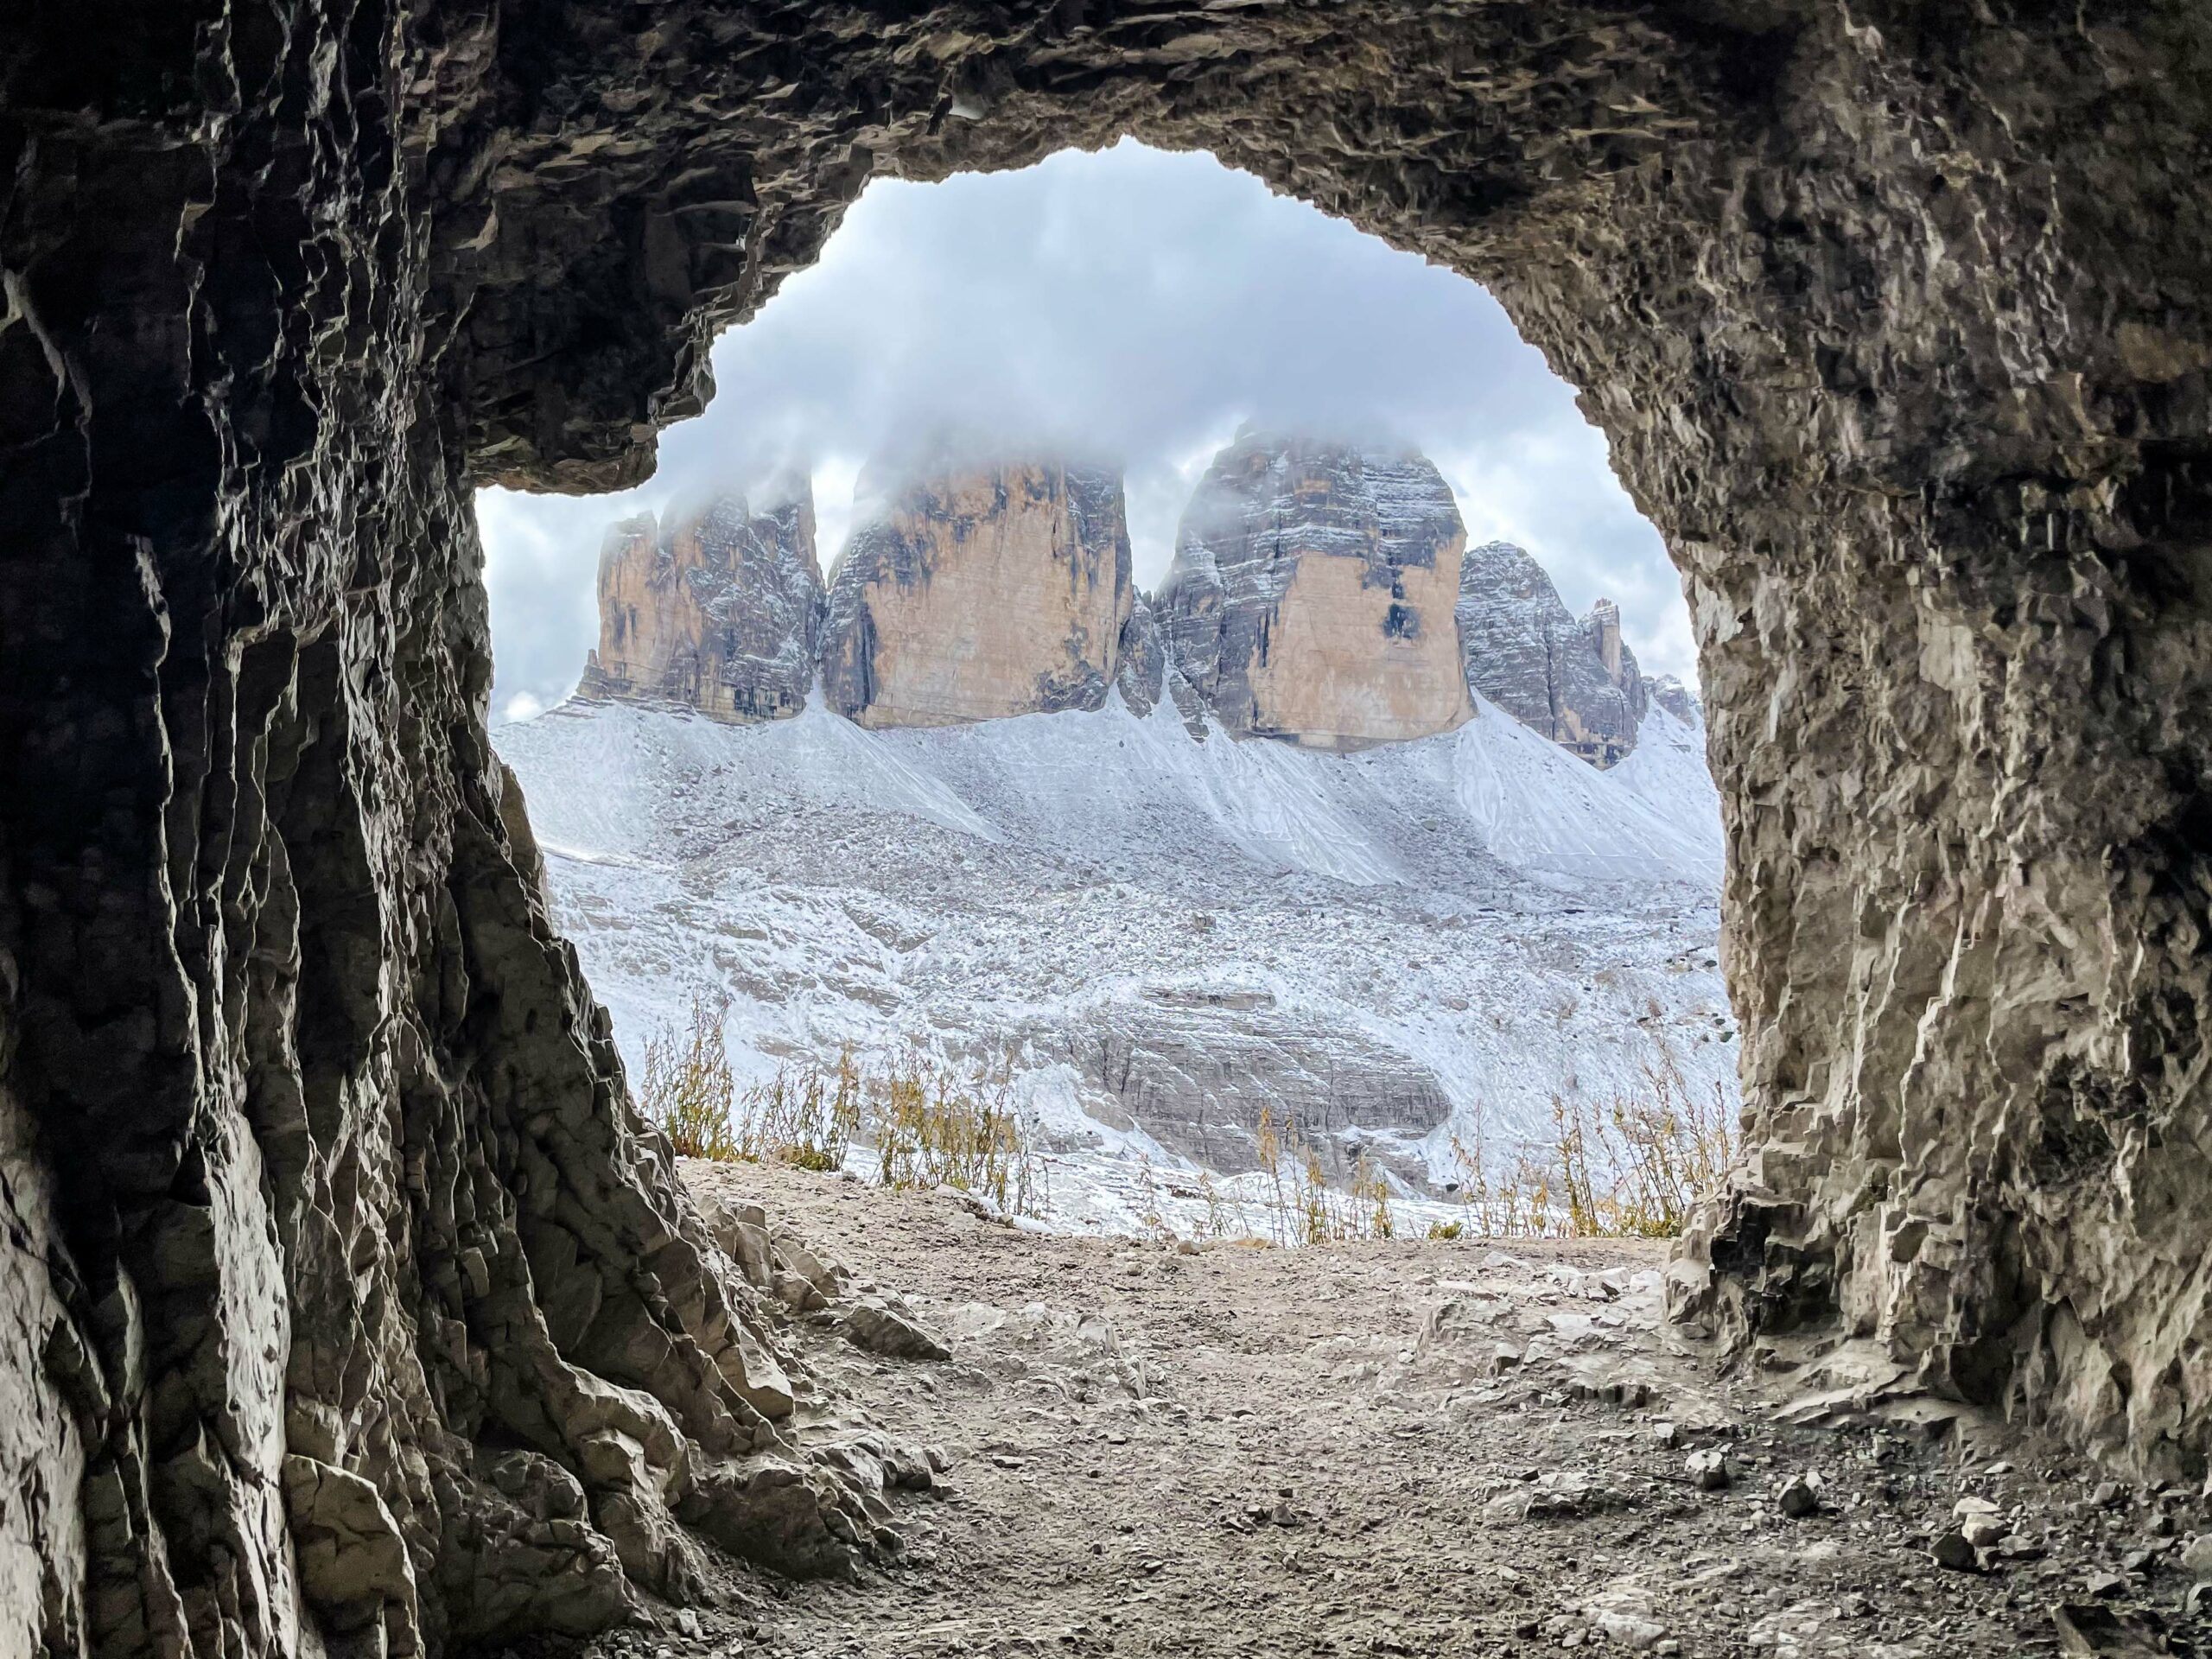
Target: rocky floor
<point>1410,1448</point>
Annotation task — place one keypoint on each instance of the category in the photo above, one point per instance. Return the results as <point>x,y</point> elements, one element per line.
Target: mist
<point>1132,307</point>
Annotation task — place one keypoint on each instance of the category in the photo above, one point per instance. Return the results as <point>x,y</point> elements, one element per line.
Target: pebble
<point>1953,1550</point>
<point>1799,1495</point>
<point>1708,1469</point>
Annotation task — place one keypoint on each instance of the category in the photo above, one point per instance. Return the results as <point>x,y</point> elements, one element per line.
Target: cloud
<point>1130,305</point>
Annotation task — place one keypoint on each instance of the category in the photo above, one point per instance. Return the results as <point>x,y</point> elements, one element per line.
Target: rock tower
<point>718,609</point>
<point>980,592</point>
<point>1312,594</point>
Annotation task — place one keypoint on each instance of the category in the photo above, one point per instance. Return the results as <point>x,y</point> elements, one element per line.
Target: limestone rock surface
<point>719,609</point>
<point>1143,671</point>
<point>1197,1067</point>
<point>1570,678</point>
<point>977,594</point>
<point>1311,594</point>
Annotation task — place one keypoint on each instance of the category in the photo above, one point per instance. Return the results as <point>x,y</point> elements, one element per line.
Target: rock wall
<point>981,594</point>
<point>720,609</point>
<point>1572,679</point>
<point>1143,676</point>
<point>353,1308</point>
<point>1198,1070</point>
<point>1312,594</point>
<point>1677,699</point>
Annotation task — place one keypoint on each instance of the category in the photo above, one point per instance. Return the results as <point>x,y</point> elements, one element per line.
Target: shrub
<point>925,1126</point>
<point>687,1090</point>
<point>807,1115</point>
<point>1301,1206</point>
<point>1666,1150</point>
<point>1631,1167</point>
<point>932,1129</point>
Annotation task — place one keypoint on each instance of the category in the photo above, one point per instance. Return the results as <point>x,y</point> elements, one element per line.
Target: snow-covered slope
<point>1667,773</point>
<point>1159,935</point>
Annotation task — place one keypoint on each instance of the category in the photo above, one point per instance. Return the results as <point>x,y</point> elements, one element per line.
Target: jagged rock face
<point>1199,1070</point>
<point>1143,672</point>
<point>1898,320</point>
<point>1572,679</point>
<point>1312,593</point>
<point>1677,699</point>
<point>981,593</point>
<point>719,610</point>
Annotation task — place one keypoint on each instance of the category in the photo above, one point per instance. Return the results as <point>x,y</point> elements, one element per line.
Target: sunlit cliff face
<point>1312,593</point>
<point>1001,590</point>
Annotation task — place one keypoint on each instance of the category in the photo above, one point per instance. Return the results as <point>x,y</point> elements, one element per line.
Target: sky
<point>1130,306</point>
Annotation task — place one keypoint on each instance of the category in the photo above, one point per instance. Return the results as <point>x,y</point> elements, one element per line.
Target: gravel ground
<point>1404,1447</point>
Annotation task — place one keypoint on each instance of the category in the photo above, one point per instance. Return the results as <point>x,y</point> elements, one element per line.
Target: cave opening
<point>1895,320</point>
<point>1062,483</point>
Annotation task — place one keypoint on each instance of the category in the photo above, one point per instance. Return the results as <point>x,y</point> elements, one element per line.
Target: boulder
<point>876,1325</point>
<point>1197,1066</point>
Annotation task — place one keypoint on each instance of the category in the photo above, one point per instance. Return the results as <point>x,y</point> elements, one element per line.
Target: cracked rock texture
<point>319,1175</point>
<point>1570,678</point>
<point>719,609</point>
<point>1143,676</point>
<point>1311,594</point>
<point>980,592</point>
<point>1199,1068</point>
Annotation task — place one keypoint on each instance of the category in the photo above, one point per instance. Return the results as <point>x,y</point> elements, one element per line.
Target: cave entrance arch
<point>349,1296</point>
<point>1123,417</point>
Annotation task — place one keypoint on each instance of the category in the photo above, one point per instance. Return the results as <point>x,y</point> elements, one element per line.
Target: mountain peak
<point>1322,594</point>
<point>1573,679</point>
<point>713,605</point>
<point>976,591</point>
<point>1312,593</point>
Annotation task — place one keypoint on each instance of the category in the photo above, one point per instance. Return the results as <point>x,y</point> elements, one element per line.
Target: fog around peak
<point>1129,308</point>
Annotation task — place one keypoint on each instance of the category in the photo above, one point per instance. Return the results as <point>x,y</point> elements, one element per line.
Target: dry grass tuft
<point>1631,1167</point>
<point>1301,1207</point>
<point>687,1090</point>
<point>1626,1168</point>
<point>925,1126</point>
<point>807,1115</point>
<point>932,1128</point>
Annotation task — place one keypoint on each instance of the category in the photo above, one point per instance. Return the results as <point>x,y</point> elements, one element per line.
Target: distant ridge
<point>1322,594</point>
